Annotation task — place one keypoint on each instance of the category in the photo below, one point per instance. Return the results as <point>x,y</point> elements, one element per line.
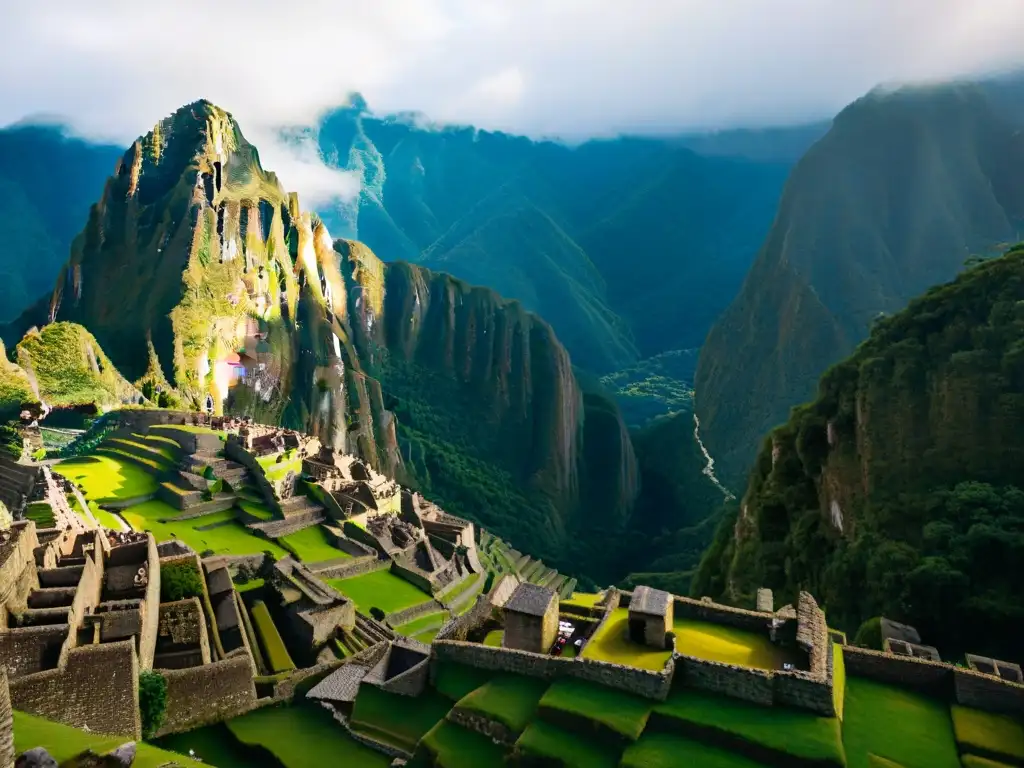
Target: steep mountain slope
<point>47,183</point>
<point>893,199</point>
<point>196,270</point>
<point>629,248</point>
<point>893,491</point>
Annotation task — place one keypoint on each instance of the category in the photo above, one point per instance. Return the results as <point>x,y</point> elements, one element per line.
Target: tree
<point>152,702</point>
<point>179,581</point>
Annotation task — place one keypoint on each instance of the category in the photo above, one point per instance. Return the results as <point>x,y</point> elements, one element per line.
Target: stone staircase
<point>299,512</point>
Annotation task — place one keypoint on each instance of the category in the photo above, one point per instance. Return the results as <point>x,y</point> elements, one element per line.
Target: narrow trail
<point>709,468</point>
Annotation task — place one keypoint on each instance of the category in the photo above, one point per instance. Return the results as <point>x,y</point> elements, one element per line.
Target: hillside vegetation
<point>896,490</point>
<point>903,188</point>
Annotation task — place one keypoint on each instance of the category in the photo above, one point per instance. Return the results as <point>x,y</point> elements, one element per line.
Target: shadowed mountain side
<point>892,200</point>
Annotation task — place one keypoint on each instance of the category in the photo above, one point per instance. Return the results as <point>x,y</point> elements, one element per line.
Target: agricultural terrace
<point>509,699</point>
<point>452,746</point>
<point>312,545</point>
<point>988,735</point>
<point>397,720</point>
<point>106,478</point>
<point>380,589</point>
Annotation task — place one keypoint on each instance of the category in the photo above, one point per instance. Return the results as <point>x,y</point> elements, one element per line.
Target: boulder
<point>36,758</point>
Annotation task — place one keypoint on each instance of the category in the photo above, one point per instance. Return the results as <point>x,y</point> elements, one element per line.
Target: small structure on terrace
<point>1005,670</point>
<point>650,616</point>
<point>314,609</point>
<point>531,619</point>
<point>916,650</point>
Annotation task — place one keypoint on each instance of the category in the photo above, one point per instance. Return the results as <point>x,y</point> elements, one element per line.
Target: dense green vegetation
<point>892,200</point>
<point>152,701</point>
<point>179,581</point>
<point>654,387</point>
<point>913,448</point>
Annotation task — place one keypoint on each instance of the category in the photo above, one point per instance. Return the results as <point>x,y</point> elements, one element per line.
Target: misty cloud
<point>570,68</point>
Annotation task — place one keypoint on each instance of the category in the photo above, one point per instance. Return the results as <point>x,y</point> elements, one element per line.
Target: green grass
<point>788,731</point>
<point>973,761</point>
<point>380,589</point>
<point>427,636</point>
<point>549,742</point>
<point>667,750</point>
<point>494,638</point>
<point>463,586</point>
<point>41,513</point>
<point>584,599</point>
<point>398,720</point>
<point>249,585</point>
<point>256,509</point>
<point>456,747</point>
<point>301,736</point>
<point>231,538</point>
<point>311,545</point>
<point>191,428</point>
<point>156,449</point>
<point>432,620</point>
<point>456,680</point>
<point>274,650</point>
<point>610,643</point>
<point>509,699</point>
<point>105,478</point>
<point>619,712</point>
<point>838,679</point>
<point>988,734</point>
<point>64,742</point>
<point>907,728</point>
<point>714,642</point>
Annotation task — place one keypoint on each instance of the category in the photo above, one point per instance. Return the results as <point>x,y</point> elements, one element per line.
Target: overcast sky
<point>570,68</point>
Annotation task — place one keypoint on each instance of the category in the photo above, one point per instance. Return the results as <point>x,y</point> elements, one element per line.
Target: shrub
<point>377,613</point>
<point>870,634</point>
<point>179,581</point>
<point>152,702</point>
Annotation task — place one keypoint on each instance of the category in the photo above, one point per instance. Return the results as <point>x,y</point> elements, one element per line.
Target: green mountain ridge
<point>902,189</point>
<point>896,491</point>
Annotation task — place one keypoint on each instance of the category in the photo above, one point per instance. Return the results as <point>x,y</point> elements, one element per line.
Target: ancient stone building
<point>531,619</point>
<point>314,609</point>
<point>650,616</point>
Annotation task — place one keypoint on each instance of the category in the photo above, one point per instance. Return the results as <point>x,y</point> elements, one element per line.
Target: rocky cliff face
<point>892,492</point>
<point>902,189</point>
<point>198,272</point>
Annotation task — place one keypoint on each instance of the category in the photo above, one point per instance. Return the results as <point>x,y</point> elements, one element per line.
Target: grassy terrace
<point>547,742</point>
<point>610,643</point>
<point>300,736</point>
<point>218,531</point>
<point>106,478</point>
<point>608,710</point>
<point>508,699</point>
<point>273,647</point>
<point>714,642</point>
<point>64,743</point>
<point>423,624</point>
<point>311,545</point>
<point>666,750</point>
<point>584,599</point>
<point>906,728</point>
<point>988,735</point>
<point>787,731</point>
<point>398,720</point>
<point>494,638</point>
<point>380,589</point>
<point>455,681</point>
<point>453,746</point>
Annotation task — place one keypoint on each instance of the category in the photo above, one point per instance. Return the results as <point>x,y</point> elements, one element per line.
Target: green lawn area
<point>311,545</point>
<point>617,711</point>
<point>494,638</point>
<point>456,680</point>
<point>249,585</point>
<point>427,636</point>
<point>667,750</point>
<point>973,761</point>
<point>380,589</point>
<point>584,599</point>
<point>838,679</point>
<point>301,736</point>
<point>466,584</point>
<point>432,620</point>
<point>195,430</point>
<point>256,509</point>
<point>105,478</point>
<point>715,642</point>
<point>274,650</point>
<point>398,720</point>
<point>549,742</point>
<point>157,449</point>
<point>64,742</point>
<point>456,747</point>
<point>509,699</point>
<point>899,725</point>
<point>988,734</point>
<point>41,513</point>
<point>229,538</point>
<point>787,731</point>
<point>611,644</point>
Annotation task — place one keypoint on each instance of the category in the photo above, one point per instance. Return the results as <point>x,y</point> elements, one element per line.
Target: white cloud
<point>543,67</point>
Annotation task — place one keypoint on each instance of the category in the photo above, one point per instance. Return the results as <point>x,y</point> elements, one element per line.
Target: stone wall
<point>233,450</point>
<point>6,724</point>
<point>182,623</point>
<point>738,618</point>
<point>151,607</point>
<point>919,674</point>
<point>356,567</point>
<point>408,614</point>
<point>27,650</point>
<point>459,627</point>
<point>492,729</point>
<point>15,557</point>
<point>413,576</point>
<point>641,682</point>
<point>202,695</point>
<point>87,597</point>
<point>754,685</point>
<point>411,682</point>
<point>974,689</point>
<point>97,689</point>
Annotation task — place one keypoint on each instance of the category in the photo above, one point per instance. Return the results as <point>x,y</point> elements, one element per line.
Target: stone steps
<point>137,448</point>
<point>299,505</point>
<point>275,529</point>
